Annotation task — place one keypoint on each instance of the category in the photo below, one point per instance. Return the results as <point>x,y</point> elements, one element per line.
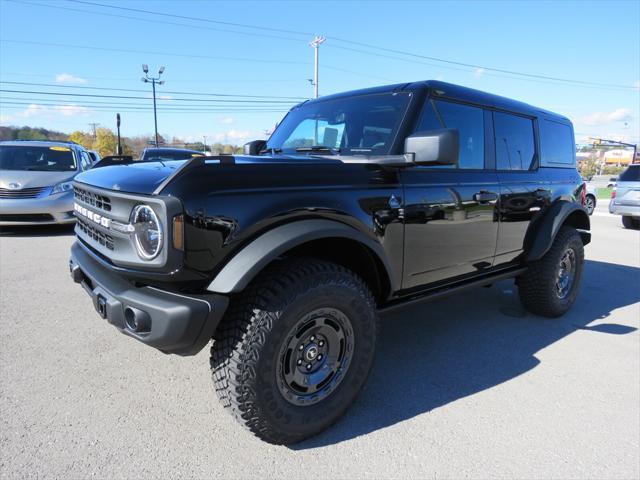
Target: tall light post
<point>153,81</point>
<point>315,43</point>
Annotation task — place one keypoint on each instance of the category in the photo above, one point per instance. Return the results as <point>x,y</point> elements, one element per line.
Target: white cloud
<point>165,97</point>
<point>68,78</point>
<point>478,72</point>
<point>31,110</point>
<point>601,118</point>
<point>236,136</point>
<point>70,110</point>
<point>227,120</point>
<point>5,118</point>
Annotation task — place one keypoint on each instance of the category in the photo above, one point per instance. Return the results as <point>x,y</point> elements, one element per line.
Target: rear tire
<point>550,285</point>
<point>295,349</point>
<point>590,204</point>
<point>630,222</point>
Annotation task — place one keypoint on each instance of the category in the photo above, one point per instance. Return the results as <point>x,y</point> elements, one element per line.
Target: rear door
<point>450,211</point>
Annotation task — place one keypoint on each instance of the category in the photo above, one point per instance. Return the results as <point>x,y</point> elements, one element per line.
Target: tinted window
<point>556,143</point>
<point>359,125</point>
<point>515,148</point>
<point>631,174</point>
<point>469,121</point>
<point>155,154</point>
<point>47,159</point>
<point>85,161</point>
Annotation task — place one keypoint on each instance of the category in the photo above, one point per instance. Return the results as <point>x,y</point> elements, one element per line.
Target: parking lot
<point>467,387</point>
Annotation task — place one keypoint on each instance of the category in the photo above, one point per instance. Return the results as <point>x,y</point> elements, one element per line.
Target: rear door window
<point>515,145</point>
<point>557,144</point>
<point>631,174</point>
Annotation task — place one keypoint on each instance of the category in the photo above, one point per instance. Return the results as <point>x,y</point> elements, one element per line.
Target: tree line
<point>105,141</point>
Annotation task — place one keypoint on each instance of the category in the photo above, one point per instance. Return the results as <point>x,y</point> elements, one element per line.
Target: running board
<point>444,291</point>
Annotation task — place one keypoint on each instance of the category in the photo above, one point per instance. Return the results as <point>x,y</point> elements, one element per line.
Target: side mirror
<point>253,148</point>
<point>434,147</point>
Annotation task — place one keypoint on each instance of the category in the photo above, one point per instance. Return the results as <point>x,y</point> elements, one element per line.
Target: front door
<point>451,223</point>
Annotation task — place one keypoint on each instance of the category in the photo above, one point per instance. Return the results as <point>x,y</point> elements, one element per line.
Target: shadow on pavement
<point>37,231</point>
<point>434,354</point>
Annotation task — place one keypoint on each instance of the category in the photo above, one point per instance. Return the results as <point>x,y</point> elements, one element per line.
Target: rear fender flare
<point>543,231</point>
<point>255,256</point>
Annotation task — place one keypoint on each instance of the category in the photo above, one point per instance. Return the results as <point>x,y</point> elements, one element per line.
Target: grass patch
<point>604,193</point>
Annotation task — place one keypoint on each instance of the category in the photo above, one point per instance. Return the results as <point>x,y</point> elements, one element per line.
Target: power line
<point>140,90</point>
<point>147,98</point>
<point>362,44</point>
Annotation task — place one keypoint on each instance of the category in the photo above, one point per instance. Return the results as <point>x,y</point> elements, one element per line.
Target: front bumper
<point>626,210</point>
<point>170,322</point>
<point>47,210</point>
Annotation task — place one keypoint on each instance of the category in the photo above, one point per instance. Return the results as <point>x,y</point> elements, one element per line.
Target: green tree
<point>106,142</point>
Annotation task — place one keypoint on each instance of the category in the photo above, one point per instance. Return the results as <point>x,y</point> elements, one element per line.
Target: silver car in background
<point>625,198</point>
<point>36,181</point>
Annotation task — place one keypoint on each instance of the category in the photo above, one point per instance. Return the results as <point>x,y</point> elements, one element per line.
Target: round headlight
<point>148,232</point>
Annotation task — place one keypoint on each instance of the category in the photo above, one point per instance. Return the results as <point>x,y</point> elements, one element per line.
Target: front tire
<point>295,349</point>
<point>550,285</point>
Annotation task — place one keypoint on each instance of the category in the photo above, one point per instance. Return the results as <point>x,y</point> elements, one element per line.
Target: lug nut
<point>301,347</point>
<point>299,362</point>
<point>321,343</point>
<point>308,366</point>
<point>319,357</point>
<point>312,338</point>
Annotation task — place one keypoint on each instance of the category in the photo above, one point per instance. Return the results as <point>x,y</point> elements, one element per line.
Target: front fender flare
<point>252,258</point>
<point>543,231</point>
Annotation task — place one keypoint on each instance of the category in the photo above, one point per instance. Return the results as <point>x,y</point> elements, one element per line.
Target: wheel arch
<point>319,238</point>
<point>543,231</point>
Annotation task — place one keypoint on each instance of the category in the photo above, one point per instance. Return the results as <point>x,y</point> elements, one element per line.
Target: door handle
<point>485,197</point>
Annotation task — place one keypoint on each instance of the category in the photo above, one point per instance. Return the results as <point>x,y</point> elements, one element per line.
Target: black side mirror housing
<point>254,148</point>
<point>434,147</point>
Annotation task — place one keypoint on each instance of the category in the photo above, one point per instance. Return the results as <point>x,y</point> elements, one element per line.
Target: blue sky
<point>81,45</point>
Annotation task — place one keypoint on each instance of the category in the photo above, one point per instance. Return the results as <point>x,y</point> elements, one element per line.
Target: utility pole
<point>153,81</point>
<point>119,149</point>
<point>94,125</point>
<point>205,144</point>
<point>315,43</point>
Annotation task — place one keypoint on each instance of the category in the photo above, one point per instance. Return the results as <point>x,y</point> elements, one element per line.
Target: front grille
<point>94,233</point>
<point>99,201</point>
<point>27,217</point>
<point>23,193</point>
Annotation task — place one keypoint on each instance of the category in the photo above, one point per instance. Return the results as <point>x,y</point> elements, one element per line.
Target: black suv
<point>358,203</point>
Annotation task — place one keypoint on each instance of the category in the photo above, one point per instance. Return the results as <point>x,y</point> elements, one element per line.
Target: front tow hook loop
<point>102,306</point>
<point>76,273</point>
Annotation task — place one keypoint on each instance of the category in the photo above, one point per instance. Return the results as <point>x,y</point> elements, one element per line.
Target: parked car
<point>359,202</point>
<point>154,154</point>
<point>36,181</point>
<point>612,182</point>
<point>591,199</point>
<point>94,156</point>
<point>625,198</point>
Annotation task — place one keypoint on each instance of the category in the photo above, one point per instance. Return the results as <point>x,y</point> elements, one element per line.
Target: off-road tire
<point>537,286</point>
<point>630,222</point>
<point>246,347</point>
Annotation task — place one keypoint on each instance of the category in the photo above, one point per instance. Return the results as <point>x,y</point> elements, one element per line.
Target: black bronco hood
<point>147,177</point>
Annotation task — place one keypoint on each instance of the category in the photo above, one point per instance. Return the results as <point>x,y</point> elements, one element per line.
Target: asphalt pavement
<point>468,387</point>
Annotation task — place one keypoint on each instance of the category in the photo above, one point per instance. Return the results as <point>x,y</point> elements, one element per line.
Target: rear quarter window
<point>631,174</point>
<point>557,145</point>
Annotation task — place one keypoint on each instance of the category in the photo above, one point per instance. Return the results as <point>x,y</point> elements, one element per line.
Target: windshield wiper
<point>272,151</point>
<point>319,148</point>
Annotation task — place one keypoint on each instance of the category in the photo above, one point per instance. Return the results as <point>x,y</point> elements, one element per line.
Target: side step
<point>451,289</point>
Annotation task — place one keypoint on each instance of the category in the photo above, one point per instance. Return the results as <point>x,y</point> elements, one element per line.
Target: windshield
<point>152,155</point>
<point>631,174</point>
<point>45,159</point>
<point>360,125</point>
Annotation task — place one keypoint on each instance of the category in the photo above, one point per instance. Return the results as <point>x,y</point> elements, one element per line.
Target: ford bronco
<point>358,203</point>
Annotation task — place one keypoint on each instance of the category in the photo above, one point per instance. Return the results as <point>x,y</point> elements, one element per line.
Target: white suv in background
<point>625,198</point>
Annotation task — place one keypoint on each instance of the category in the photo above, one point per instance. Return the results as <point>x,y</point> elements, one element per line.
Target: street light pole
<point>315,43</point>
<point>153,81</point>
